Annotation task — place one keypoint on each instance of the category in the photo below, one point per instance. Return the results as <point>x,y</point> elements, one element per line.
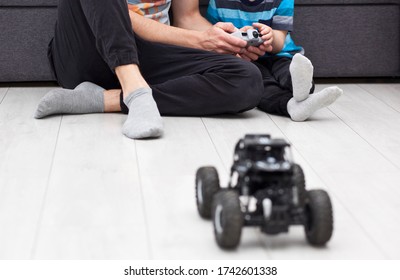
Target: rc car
<point>266,189</point>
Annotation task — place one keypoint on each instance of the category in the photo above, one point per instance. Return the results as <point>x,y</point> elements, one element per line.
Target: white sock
<point>301,70</point>
<point>300,111</point>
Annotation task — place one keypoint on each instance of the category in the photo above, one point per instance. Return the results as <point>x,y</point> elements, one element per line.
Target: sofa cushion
<point>350,40</point>
<point>28,3</point>
<point>24,36</point>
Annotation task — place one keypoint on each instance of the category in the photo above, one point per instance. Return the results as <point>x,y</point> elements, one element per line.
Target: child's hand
<point>251,53</point>
<point>267,35</point>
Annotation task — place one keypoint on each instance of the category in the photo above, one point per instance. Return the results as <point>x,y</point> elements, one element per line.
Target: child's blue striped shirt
<point>278,14</point>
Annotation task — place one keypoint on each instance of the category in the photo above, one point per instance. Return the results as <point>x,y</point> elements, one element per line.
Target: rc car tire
<point>319,217</point>
<point>207,185</point>
<point>227,219</point>
<point>300,183</point>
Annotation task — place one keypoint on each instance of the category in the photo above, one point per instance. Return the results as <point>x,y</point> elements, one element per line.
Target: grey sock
<point>302,71</point>
<point>144,120</point>
<point>85,98</point>
<point>300,111</point>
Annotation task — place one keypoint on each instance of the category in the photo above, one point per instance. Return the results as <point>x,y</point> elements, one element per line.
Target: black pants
<point>277,81</point>
<point>92,37</point>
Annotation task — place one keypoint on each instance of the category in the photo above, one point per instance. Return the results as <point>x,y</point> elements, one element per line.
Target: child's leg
<point>294,74</point>
<point>279,94</point>
<point>301,111</point>
<point>301,71</point>
<point>274,98</point>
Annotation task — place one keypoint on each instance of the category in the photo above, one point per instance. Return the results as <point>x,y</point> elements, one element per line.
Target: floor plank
<point>372,119</point>
<point>225,132</point>
<point>167,168</point>
<point>94,207</point>
<point>346,163</point>
<point>73,187</point>
<point>26,152</point>
<point>388,93</point>
<point>3,92</point>
<point>374,204</point>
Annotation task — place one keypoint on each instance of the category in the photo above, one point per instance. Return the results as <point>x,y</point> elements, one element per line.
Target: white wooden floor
<point>72,187</point>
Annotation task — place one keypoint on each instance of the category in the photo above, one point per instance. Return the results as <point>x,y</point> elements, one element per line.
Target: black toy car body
<point>266,189</point>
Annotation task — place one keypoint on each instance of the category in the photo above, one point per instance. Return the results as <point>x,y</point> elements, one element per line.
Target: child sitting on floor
<point>287,74</point>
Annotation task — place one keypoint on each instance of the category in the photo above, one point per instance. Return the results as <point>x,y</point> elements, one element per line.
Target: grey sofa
<point>343,38</point>
<point>350,38</point>
<point>26,27</point>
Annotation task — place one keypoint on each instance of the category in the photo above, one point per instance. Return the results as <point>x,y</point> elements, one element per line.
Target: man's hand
<point>218,39</point>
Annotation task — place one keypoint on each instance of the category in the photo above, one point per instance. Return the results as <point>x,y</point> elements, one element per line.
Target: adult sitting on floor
<point>112,56</point>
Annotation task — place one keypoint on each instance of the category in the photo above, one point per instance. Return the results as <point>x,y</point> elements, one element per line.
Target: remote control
<point>251,36</point>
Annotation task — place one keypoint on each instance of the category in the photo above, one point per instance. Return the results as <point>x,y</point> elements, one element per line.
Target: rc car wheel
<point>227,219</point>
<point>207,184</point>
<point>319,217</point>
<point>300,183</point>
